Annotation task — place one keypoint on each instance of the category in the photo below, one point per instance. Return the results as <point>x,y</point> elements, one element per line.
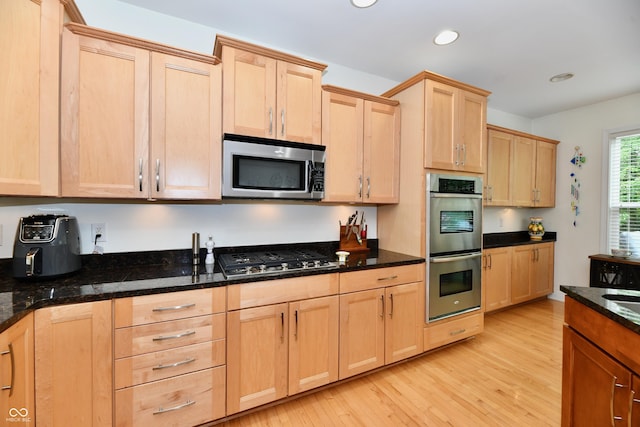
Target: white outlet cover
<point>100,228</point>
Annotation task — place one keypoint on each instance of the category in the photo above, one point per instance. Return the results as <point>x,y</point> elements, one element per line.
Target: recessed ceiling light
<point>363,3</point>
<point>560,77</point>
<point>446,37</point>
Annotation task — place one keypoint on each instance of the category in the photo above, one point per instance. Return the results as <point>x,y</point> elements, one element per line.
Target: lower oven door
<point>454,285</point>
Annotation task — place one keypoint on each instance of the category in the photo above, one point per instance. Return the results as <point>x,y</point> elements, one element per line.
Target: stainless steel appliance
<point>455,245</point>
<point>261,168</point>
<point>46,246</point>
<point>272,262</point>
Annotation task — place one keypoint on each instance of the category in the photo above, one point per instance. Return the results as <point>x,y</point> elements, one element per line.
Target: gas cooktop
<point>272,262</point>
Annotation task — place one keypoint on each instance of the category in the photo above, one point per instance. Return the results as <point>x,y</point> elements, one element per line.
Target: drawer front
<point>283,290</point>
<point>186,400</point>
<point>165,335</point>
<point>131,371</point>
<point>439,334</point>
<point>380,277</point>
<point>170,306</point>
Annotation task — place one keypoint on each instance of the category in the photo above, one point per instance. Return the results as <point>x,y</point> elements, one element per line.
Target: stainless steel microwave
<point>261,168</point>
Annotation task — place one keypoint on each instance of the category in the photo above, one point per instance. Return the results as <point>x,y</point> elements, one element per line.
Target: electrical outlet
<point>98,229</point>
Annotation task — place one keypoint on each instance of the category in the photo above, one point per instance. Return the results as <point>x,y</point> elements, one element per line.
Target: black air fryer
<point>46,246</point>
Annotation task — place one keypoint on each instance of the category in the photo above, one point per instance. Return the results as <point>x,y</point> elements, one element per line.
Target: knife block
<point>351,244</point>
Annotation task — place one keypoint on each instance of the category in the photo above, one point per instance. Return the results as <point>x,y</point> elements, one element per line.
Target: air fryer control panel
<point>36,233</point>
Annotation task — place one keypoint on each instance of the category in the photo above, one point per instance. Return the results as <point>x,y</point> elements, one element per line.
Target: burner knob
<point>316,263</point>
<point>263,268</point>
<point>285,266</point>
<point>248,270</point>
<point>305,264</point>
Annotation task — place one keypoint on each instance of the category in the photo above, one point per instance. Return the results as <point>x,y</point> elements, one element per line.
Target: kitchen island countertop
<point>110,276</point>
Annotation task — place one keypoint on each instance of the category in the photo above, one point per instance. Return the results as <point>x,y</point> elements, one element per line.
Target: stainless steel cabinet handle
<point>13,369</point>
<point>614,385</point>
<point>282,122</point>
<point>457,154</point>
<point>158,175</point>
<point>140,175</point>
<point>174,365</point>
<point>175,307</point>
<point>457,332</point>
<point>295,334</point>
<point>281,326</point>
<point>360,186</point>
<point>171,337</point>
<point>464,154</point>
<point>490,261</point>
<point>270,121</point>
<point>162,410</point>
<point>632,401</point>
<point>380,279</point>
<point>368,187</point>
<point>391,308</point>
<point>382,302</point>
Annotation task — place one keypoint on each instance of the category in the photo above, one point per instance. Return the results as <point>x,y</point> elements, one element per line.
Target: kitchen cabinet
<point>496,278</point>
<point>455,136</point>
<point>362,136</point>
<point>30,43</point>
<point>521,169</point>
<point>157,136</point>
<point>381,317</point>
<point>531,271</point>
<point>282,339</point>
<point>169,358</point>
<point>269,93</point>
<point>74,365</point>
<point>600,370</point>
<point>16,373</point>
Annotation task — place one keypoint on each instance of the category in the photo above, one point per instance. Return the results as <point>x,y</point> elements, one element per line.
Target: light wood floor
<point>510,375</point>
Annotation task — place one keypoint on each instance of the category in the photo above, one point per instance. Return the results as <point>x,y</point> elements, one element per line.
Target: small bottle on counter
<point>195,248</point>
<point>209,259</point>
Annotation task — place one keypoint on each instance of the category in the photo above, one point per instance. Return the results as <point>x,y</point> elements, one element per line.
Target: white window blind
<point>624,192</point>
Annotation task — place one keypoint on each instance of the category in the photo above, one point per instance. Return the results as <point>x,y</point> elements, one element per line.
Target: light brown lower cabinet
<point>73,365</point>
<point>16,373</point>
<point>496,278</point>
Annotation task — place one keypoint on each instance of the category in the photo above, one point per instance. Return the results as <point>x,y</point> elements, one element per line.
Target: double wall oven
<point>454,217</point>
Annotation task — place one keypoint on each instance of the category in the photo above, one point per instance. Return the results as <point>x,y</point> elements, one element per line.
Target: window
<point>623,219</point>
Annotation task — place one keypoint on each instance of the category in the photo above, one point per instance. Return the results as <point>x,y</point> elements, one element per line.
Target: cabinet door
<point>30,46</point>
<point>16,373</point>
<point>471,130</point>
<point>523,171</point>
<point>440,122</point>
<point>496,280</point>
<point>545,174</point>
<point>342,134</point>
<point>497,189</point>
<point>404,314</point>
<point>73,351</point>
<point>542,273</point>
<point>298,114</point>
<point>381,162</point>
<point>185,128</point>
<point>361,332</point>
<point>595,388</point>
<point>257,348</point>
<point>521,273</point>
<point>313,343</point>
<point>104,132</point>
<point>249,93</point>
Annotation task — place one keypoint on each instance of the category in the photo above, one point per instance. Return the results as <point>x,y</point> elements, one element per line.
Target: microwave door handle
<point>437,260</point>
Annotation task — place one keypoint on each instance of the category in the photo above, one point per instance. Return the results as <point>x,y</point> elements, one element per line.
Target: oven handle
<point>438,259</point>
<point>456,196</point>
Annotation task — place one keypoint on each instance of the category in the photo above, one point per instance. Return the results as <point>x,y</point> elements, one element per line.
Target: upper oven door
<point>455,223</point>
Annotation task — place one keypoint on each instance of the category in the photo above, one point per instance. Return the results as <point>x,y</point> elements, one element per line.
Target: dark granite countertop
<point>594,299</point>
<point>514,238</point>
<point>141,273</point>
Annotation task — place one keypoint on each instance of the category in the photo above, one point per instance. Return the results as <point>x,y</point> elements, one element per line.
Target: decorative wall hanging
<point>577,160</point>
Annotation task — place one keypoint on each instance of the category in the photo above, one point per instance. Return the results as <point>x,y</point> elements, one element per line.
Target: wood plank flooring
<point>510,375</point>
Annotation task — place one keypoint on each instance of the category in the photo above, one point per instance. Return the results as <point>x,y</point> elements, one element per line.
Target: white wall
<point>582,127</point>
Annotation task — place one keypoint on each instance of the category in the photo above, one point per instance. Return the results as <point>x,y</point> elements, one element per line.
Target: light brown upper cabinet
<point>521,169</point>
<point>362,136</point>
<point>455,134</point>
<point>269,94</point>
<point>139,120</point>
<point>30,45</point>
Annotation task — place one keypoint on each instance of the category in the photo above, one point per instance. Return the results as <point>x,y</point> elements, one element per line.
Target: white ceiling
<point>510,47</point>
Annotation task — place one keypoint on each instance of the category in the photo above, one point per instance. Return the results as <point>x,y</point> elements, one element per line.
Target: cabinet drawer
<point>170,306</point>
<point>130,371</point>
<point>165,335</point>
<point>186,400</point>
<point>281,290</point>
<point>439,334</point>
<point>380,277</point>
